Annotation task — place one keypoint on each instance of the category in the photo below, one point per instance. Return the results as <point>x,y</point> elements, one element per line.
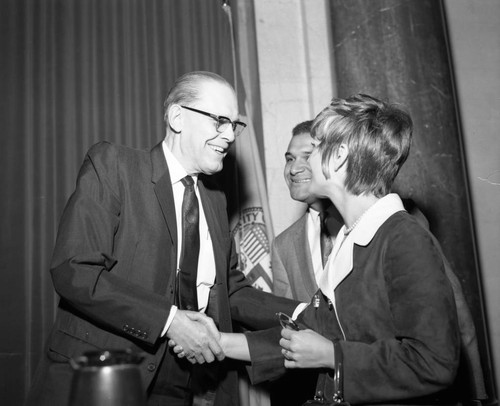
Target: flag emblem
<point>252,245</point>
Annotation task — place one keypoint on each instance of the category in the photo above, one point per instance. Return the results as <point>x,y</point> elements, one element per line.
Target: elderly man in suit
<point>144,251</point>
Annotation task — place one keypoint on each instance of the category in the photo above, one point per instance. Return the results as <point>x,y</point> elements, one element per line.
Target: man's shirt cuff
<point>171,316</point>
<point>299,309</point>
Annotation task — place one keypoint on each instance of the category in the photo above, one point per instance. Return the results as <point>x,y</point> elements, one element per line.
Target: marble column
<point>399,51</point>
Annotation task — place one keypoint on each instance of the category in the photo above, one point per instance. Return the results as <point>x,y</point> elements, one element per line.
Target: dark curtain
<point>74,72</point>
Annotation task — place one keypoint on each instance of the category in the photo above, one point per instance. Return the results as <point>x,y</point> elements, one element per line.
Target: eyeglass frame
<point>217,118</point>
<point>287,322</point>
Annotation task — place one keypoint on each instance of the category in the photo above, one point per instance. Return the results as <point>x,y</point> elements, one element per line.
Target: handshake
<point>194,336</point>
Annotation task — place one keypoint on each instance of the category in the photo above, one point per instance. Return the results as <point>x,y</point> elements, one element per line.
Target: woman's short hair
<point>377,134</point>
<point>186,89</point>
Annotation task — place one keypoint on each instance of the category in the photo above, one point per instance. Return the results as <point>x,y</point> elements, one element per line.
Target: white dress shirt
<point>314,239</point>
<point>206,274</point>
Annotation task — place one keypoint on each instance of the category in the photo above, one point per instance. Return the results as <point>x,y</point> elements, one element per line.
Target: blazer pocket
<point>64,346</point>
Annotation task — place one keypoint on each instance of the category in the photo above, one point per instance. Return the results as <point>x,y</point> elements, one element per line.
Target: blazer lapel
<point>163,190</point>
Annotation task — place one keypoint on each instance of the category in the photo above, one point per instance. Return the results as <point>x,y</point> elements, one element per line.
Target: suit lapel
<point>163,190</point>
<point>304,275</point>
<point>217,227</point>
<point>214,226</point>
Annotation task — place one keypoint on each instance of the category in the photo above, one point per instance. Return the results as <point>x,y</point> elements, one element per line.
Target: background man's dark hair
<point>301,128</point>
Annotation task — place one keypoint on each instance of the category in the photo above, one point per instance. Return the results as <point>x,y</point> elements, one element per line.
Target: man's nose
<point>297,167</point>
<point>228,134</point>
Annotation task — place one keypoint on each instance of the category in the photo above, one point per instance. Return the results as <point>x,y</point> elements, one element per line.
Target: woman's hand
<point>306,349</point>
<point>235,345</point>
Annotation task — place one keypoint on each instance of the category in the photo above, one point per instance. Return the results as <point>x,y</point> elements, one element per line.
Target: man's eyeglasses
<point>222,122</point>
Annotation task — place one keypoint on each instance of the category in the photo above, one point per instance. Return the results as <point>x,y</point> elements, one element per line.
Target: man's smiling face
<point>297,169</point>
<point>203,149</point>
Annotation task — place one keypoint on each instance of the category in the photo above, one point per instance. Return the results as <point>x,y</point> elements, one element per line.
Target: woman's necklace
<point>348,230</point>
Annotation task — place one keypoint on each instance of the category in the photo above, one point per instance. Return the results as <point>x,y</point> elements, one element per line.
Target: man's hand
<point>195,336</point>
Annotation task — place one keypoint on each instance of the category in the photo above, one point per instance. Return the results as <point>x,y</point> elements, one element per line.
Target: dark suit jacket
<point>114,267</point>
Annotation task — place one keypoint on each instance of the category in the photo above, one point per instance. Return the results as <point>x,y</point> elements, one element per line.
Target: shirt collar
<point>313,213</point>
<point>340,262</point>
<point>175,168</point>
<point>374,217</point>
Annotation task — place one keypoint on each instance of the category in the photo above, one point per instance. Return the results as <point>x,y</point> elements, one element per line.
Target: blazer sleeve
<point>252,308</point>
<point>83,259</point>
<point>267,362</point>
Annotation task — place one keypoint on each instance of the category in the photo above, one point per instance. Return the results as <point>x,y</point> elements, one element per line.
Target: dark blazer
<point>294,278</point>
<point>114,268</point>
<point>396,322</point>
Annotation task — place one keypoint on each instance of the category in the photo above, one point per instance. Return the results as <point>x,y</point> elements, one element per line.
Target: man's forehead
<point>212,88</point>
<point>301,142</point>
<point>218,96</point>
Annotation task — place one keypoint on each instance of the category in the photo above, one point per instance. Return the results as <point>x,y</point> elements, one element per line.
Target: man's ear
<point>174,118</point>
<point>340,157</point>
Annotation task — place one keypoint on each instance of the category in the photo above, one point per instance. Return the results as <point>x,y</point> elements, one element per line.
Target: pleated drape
<point>74,72</point>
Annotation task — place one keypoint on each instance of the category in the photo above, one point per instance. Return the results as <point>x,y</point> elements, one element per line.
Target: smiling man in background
<point>300,252</point>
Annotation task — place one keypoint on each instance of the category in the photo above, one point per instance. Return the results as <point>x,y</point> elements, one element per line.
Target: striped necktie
<point>190,249</point>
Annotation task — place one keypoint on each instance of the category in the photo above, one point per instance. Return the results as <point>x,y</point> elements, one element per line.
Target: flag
<point>250,220</point>
<point>251,226</point>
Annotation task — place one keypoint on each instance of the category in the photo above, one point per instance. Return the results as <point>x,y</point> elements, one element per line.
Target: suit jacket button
<point>151,367</point>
